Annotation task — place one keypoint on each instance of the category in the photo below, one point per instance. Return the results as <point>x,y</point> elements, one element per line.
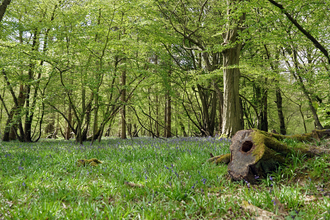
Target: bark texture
<point>231,106</point>
<point>256,153</point>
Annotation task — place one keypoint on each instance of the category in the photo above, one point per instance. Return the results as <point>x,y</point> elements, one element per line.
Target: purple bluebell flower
<point>20,168</point>
<point>23,184</point>
<point>271,179</point>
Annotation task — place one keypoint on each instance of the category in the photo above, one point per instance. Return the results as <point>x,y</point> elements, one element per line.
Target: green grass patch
<point>146,178</point>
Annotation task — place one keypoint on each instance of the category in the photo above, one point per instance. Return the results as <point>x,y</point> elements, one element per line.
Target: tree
<point>3,8</point>
<point>231,55</point>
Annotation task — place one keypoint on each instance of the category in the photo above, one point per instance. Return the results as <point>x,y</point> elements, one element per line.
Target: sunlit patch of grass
<point>169,180</point>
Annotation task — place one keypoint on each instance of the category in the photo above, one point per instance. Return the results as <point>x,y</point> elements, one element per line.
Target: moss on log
<point>255,153</point>
<point>93,162</point>
<point>220,159</point>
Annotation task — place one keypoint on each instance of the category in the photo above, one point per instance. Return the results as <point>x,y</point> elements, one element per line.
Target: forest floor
<point>144,178</point>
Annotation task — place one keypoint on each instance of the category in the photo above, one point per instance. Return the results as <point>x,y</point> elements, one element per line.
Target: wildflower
<point>23,184</point>
<point>256,177</point>
<point>193,187</point>
<point>20,168</point>
<point>271,179</point>
<point>274,202</point>
<point>202,190</point>
<point>204,180</point>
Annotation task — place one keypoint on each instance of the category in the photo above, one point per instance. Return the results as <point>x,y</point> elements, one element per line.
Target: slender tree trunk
<point>123,108</point>
<point>157,105</point>
<point>303,118</point>
<point>96,118</point>
<point>68,129</point>
<point>149,112</point>
<point>168,121</point>
<point>157,115</point>
<point>261,99</point>
<point>264,117</point>
<point>220,106</point>
<point>280,111</point>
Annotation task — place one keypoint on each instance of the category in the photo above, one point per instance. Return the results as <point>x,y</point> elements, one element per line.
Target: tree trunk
<point>231,74</point>
<point>157,116</point>
<point>255,152</point>
<point>168,115</point>
<point>3,8</point>
<point>231,106</point>
<point>280,111</point>
<point>69,122</point>
<point>168,106</point>
<point>6,134</point>
<point>220,106</point>
<point>123,108</point>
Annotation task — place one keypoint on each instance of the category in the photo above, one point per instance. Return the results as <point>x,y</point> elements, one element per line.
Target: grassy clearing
<point>150,179</point>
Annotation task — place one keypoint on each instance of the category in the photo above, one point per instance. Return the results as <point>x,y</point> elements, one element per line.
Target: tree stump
<point>255,153</point>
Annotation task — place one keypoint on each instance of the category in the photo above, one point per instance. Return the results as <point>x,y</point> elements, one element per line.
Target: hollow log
<point>254,153</point>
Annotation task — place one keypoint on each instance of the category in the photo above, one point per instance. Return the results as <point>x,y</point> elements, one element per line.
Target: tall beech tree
<point>231,75</point>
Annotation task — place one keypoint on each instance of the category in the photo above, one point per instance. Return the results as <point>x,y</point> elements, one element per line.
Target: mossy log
<point>93,162</point>
<point>255,153</point>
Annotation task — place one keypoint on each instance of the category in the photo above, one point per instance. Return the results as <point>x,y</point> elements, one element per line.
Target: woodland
<point>162,109</point>
<point>90,69</point>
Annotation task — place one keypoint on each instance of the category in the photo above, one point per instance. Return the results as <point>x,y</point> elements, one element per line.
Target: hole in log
<point>247,146</point>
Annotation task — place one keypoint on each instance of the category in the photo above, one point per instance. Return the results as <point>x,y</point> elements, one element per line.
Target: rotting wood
<point>255,153</point>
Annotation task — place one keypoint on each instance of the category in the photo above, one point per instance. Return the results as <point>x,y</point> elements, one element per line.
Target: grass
<point>146,178</point>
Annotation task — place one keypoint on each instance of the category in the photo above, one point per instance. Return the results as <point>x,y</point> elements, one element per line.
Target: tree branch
<point>316,43</point>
